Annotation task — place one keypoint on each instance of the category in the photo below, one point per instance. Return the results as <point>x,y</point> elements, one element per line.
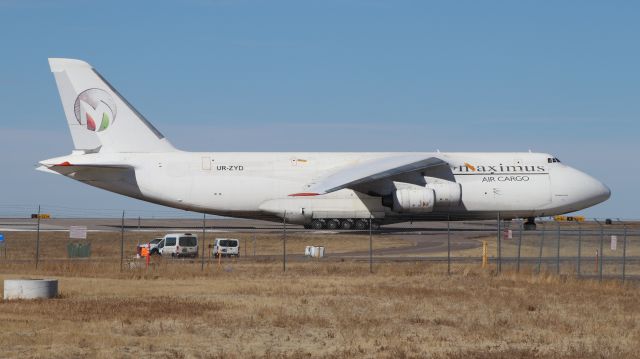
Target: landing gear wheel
<point>530,224</point>
<point>361,224</point>
<point>317,224</point>
<point>346,224</point>
<point>375,226</point>
<point>333,224</point>
<point>307,226</point>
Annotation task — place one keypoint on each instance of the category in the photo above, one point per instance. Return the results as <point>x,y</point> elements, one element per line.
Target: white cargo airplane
<point>117,149</point>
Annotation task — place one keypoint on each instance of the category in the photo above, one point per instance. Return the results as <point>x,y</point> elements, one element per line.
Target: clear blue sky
<point>550,76</point>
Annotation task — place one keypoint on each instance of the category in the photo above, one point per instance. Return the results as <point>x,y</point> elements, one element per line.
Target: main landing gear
<point>343,223</point>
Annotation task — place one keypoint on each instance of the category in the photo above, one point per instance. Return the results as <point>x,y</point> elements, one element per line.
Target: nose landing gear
<point>530,224</point>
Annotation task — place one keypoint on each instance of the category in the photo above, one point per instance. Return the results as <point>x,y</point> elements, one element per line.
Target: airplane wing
<point>374,170</point>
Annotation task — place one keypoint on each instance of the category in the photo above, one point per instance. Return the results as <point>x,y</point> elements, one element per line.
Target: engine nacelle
<point>413,200</point>
<point>447,194</point>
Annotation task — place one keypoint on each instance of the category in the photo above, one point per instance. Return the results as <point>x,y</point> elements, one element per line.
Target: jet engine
<point>413,200</point>
<point>447,194</point>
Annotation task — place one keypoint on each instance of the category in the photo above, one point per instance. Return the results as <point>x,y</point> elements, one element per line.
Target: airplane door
<point>206,163</point>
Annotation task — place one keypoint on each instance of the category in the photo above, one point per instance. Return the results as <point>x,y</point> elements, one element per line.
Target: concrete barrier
<point>30,288</point>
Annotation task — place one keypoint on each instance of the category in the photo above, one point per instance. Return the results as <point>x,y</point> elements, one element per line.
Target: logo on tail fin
<point>95,109</point>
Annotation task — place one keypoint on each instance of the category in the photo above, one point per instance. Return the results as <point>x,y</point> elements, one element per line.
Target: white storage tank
<point>30,288</point>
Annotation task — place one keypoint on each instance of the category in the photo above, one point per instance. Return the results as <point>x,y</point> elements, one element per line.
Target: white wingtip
<point>46,169</point>
<point>58,65</point>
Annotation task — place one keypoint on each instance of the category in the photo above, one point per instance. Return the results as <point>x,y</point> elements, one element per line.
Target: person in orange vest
<point>144,252</point>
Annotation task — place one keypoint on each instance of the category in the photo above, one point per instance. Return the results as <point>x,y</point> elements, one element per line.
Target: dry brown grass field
<point>317,309</point>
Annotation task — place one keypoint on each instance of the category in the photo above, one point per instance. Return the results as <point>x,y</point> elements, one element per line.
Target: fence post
<point>541,246</point>
<point>558,249</point>
<point>600,254</point>
<point>204,242</point>
<point>624,250</point>
<point>122,242</point>
<point>499,244</point>
<point>579,247</point>
<point>254,242</point>
<point>284,242</point>
<point>519,246</point>
<point>38,239</point>
<point>448,244</point>
<point>370,244</point>
<point>485,255</point>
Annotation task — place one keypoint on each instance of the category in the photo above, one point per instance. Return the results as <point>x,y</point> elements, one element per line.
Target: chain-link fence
<point>587,248</point>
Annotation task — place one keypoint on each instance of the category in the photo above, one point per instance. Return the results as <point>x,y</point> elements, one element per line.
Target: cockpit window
<point>553,160</point>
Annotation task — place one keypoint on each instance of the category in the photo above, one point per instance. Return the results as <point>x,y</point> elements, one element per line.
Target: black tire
<point>529,226</point>
<point>375,226</point>
<point>307,226</point>
<point>333,224</point>
<point>346,224</point>
<point>361,224</point>
<point>317,224</point>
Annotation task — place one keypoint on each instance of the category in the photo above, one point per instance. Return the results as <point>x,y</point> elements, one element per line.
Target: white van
<point>179,245</point>
<point>227,247</point>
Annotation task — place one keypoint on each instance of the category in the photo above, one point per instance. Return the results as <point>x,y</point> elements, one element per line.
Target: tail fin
<point>99,118</point>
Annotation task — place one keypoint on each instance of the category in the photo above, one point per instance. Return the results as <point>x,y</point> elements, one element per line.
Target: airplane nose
<point>595,190</point>
<point>603,192</point>
<point>573,190</point>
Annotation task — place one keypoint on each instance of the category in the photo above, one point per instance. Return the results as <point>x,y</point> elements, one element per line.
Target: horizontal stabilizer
<point>67,168</point>
<point>46,169</point>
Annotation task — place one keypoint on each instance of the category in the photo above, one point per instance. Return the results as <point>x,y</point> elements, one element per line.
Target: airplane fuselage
<point>264,185</point>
